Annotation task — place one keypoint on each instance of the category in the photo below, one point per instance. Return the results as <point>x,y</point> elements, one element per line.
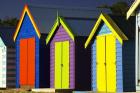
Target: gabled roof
<point>111,25</point>
<point>26,11</point>
<point>79,19</point>
<point>58,21</point>
<point>133,8</point>
<point>6,33</point>
<point>2,43</point>
<point>45,16</point>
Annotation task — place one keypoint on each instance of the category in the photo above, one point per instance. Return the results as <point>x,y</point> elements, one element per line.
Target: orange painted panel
<point>23,61</point>
<point>31,61</point>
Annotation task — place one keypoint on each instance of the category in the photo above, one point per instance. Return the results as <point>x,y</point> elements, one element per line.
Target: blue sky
<point>13,8</point>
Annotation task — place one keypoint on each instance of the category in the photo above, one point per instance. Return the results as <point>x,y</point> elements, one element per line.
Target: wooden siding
<point>138,18</point>
<point>101,31</point>
<point>62,35</point>
<point>3,67</point>
<point>104,30</point>
<point>137,52</point>
<point>93,66</point>
<point>44,62</point>
<point>11,67</point>
<point>82,60</point>
<point>128,65</point>
<point>27,31</point>
<point>119,66</point>
<point>119,73</point>
<point>1,43</point>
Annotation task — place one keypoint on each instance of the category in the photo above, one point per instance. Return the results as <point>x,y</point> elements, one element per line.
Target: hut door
<point>62,65</point>
<point>27,62</point>
<point>106,63</point>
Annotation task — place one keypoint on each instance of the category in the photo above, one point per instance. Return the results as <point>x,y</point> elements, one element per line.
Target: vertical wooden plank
<point>31,61</point>
<point>111,63</point>
<point>101,73</point>
<point>3,67</point>
<point>23,62</point>
<point>65,67</point>
<point>58,60</point>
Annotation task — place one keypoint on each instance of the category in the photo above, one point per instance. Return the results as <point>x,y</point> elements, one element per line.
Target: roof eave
<point>132,8</point>
<point>26,10</point>
<point>111,25</point>
<point>56,24</point>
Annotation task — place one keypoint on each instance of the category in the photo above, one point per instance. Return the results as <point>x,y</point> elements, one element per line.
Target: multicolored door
<point>106,63</point>
<point>62,65</point>
<point>27,62</point>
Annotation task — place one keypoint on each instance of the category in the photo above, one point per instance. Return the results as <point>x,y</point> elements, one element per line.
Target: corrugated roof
<point>6,33</point>
<point>80,20</point>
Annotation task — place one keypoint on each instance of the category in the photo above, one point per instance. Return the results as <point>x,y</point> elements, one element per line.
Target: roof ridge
<point>65,8</point>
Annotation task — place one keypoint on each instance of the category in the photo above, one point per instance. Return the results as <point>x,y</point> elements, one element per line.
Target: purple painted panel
<point>62,35</point>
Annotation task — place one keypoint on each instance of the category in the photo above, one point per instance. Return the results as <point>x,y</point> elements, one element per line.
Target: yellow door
<point>106,63</point>
<point>65,68</point>
<point>101,73</point>
<point>58,60</point>
<point>111,63</point>
<point>62,65</point>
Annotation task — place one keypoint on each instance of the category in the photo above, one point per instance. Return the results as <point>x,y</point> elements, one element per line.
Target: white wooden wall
<point>138,18</point>
<point>137,50</point>
<point>2,65</point>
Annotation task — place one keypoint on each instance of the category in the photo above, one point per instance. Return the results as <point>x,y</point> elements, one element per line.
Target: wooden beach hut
<point>112,43</point>
<point>69,61</point>
<point>7,58</point>
<point>135,11</point>
<point>32,56</point>
<point>34,26</point>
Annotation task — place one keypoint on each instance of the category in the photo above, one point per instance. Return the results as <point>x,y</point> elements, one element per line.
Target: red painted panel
<point>27,62</point>
<point>23,61</point>
<point>31,61</point>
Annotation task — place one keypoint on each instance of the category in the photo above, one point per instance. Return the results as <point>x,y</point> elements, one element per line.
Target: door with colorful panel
<point>62,65</point>
<point>27,62</point>
<point>106,63</point>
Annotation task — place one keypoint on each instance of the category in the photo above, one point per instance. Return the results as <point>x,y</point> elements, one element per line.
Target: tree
<point>9,22</point>
<point>119,8</point>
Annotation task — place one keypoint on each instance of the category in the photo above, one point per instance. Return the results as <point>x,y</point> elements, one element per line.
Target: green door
<point>62,65</point>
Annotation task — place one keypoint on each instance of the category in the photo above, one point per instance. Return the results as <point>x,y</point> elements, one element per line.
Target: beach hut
<point>113,54</point>
<point>31,53</point>
<point>7,58</point>
<point>135,11</point>
<point>32,32</point>
<point>80,21</point>
<point>69,61</point>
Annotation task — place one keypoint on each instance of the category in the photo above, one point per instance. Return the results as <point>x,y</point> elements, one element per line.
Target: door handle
<point>61,65</point>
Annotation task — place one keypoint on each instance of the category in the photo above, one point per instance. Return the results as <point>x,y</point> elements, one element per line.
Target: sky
<point>13,8</point>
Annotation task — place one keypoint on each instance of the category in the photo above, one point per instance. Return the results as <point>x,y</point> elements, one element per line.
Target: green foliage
<point>8,22</point>
<point>119,8</point>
